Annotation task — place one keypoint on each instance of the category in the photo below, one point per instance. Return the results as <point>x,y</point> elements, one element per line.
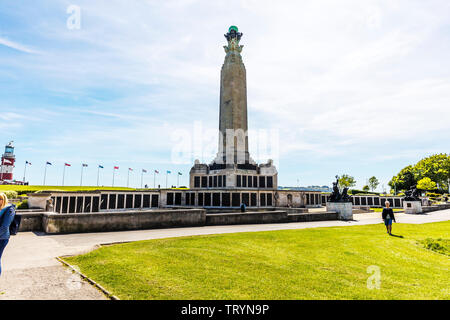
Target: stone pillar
<point>343,209</point>
<point>233,124</point>
<point>412,207</point>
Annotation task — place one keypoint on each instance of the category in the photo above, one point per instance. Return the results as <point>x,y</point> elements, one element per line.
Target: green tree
<point>373,183</point>
<point>346,181</point>
<point>366,188</point>
<point>435,167</point>
<point>404,180</point>
<point>426,184</point>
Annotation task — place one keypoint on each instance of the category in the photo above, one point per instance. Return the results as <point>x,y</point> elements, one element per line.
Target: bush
<point>432,194</point>
<point>437,245</point>
<point>23,204</point>
<point>11,194</point>
<point>356,191</point>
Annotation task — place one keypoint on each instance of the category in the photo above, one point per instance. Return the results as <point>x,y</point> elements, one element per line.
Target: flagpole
<point>128,177</point>
<point>24,171</point>
<point>64,172</point>
<point>114,171</point>
<point>166,178</point>
<point>98,174</point>
<point>142,177</point>
<point>178,180</point>
<point>45,172</point>
<point>81,180</point>
<point>154,179</point>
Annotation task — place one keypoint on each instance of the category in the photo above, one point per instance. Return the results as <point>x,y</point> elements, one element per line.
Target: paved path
<point>30,270</point>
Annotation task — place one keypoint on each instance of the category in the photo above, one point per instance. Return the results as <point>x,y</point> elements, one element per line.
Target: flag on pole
<point>45,170</point>
<point>114,171</point>
<point>98,172</point>
<point>25,169</point>
<point>178,178</point>
<point>154,177</point>
<point>128,176</point>
<point>83,165</point>
<point>167,175</point>
<point>64,171</point>
<point>142,176</point>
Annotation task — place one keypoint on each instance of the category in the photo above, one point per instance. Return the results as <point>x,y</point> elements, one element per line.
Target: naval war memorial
<point>217,189</point>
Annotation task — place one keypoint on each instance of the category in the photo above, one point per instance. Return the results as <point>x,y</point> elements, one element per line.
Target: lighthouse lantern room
<point>7,164</point>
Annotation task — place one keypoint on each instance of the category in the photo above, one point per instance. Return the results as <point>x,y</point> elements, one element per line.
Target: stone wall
<point>276,216</point>
<point>308,217</point>
<point>116,221</point>
<point>166,218</point>
<point>160,218</point>
<point>31,221</point>
<point>246,218</point>
<point>435,207</point>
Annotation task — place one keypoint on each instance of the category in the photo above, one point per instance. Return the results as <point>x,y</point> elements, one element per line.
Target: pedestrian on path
<point>388,216</point>
<point>7,213</point>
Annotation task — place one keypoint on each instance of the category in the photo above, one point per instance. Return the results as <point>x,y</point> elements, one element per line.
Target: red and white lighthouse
<point>7,165</point>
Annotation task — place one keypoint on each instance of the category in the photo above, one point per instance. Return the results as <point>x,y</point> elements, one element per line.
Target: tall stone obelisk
<point>233,139</point>
<point>232,168</point>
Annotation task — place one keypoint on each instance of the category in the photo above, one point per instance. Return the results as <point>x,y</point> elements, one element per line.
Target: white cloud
<point>16,46</point>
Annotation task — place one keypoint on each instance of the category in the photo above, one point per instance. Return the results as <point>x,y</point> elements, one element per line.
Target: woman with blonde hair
<point>388,215</point>
<point>7,213</point>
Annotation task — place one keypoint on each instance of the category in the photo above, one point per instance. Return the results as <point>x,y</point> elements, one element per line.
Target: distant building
<point>308,188</point>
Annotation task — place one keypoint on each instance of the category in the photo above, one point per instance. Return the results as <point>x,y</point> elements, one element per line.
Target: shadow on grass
<point>395,235</point>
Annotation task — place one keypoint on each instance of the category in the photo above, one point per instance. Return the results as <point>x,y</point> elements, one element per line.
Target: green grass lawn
<point>381,210</point>
<point>318,263</point>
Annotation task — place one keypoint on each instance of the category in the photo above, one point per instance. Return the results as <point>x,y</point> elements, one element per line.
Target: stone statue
<point>412,194</point>
<point>345,196</point>
<point>337,196</point>
<point>49,206</point>
<point>233,37</point>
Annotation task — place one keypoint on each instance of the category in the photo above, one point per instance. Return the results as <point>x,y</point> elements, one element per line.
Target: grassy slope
<point>381,209</point>
<point>320,263</point>
<point>62,188</point>
<point>59,188</point>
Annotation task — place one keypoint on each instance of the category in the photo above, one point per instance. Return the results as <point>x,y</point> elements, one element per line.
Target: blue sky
<point>357,87</point>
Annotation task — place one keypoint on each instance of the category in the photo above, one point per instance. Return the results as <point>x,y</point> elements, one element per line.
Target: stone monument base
<point>343,209</point>
<point>412,207</point>
<point>38,200</point>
